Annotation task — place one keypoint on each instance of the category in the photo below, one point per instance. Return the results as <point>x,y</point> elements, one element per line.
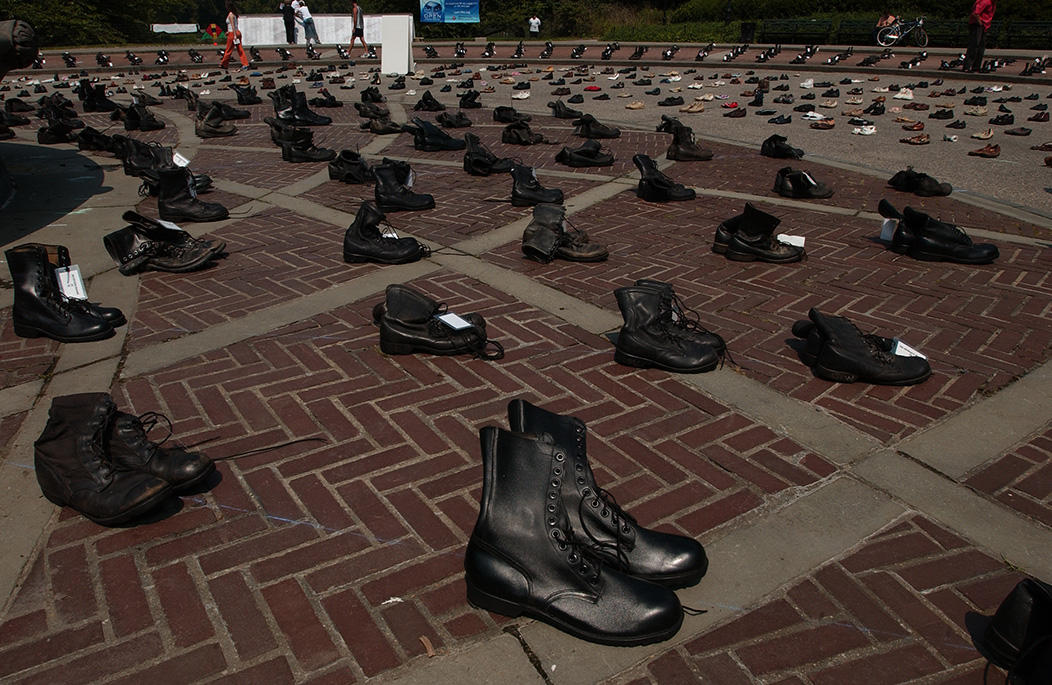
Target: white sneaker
<point>812,116</point>
<point>865,130</point>
<point>881,89</point>
<point>904,94</point>
<point>809,83</point>
<point>521,95</point>
<point>410,92</point>
<point>948,138</point>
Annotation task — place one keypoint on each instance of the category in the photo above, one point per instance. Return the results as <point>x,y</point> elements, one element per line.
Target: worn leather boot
<point>526,190</point>
<point>778,147</point>
<point>508,115</point>
<point>800,185</point>
<point>561,111</point>
<point>613,534</point>
<point>392,195</point>
<point>302,114</point>
<point>177,200</point>
<point>422,304</point>
<point>350,167</point>
<point>147,245</point>
<point>847,355</point>
<point>428,103</point>
<point>40,309</point>
<point>938,241</point>
<point>305,151</point>
<point>752,239</point>
<point>370,110</point>
<point>547,238</point>
<point>429,138</point>
<point>479,161</point>
<point>142,119</point>
<point>527,557</point>
<point>588,155</point>
<point>520,133</point>
<point>470,100</point>
<point>282,132</point>
<point>131,449</point>
<point>685,148</point>
<point>410,324</point>
<point>95,100</point>
<point>588,127</point>
<point>212,125</point>
<point>458,120</point>
<point>685,320</point>
<point>246,95</point>
<point>74,468</point>
<point>365,241</point>
<point>1024,618</point>
<point>372,94</point>
<point>57,131</point>
<point>649,339</point>
<point>654,186</point>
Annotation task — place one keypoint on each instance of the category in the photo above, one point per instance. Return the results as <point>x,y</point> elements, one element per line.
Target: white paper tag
<point>135,100</point>
<point>887,230</point>
<point>809,179</point>
<point>179,159</point>
<point>794,240</point>
<point>901,349</point>
<point>453,321</point>
<point>389,232</point>
<point>70,282</point>
<point>410,179</point>
<point>169,224</point>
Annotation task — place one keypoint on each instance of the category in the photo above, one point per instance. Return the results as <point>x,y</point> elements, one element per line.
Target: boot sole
<point>848,377</point>
<point>747,257</point>
<point>138,510</point>
<point>363,259</point>
<point>487,602</point>
<point>932,257</point>
<point>641,363</point>
<point>23,331</point>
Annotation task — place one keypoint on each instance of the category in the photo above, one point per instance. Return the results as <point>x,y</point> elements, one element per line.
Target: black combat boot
<point>650,339</point>
<point>458,120</point>
<point>479,161</point>
<point>93,140</point>
<point>146,245</point>
<point>750,238</point>
<point>246,95</point>
<point>526,190</point>
<point>546,238</point>
<point>75,469</point>
<point>613,534</point>
<point>685,320</point>
<point>410,324</point>
<point>561,111</point>
<point>800,185</point>
<point>429,138</point>
<point>527,554</point>
<point>520,133</point>
<point>655,186</point>
<point>350,167</point>
<point>132,449</point>
<point>588,127</point>
<point>282,132</point>
<point>1023,620</point>
<point>589,154</point>
<point>470,100</point>
<point>302,114</point>
<point>304,150</point>
<point>845,355</point>
<point>508,115</point>
<point>57,131</point>
<point>212,124</point>
<point>365,241</point>
<point>392,192</point>
<point>95,99</point>
<point>778,147</point>
<point>177,200</point>
<point>58,257</point>
<point>685,148</point>
<point>428,103</point>
<point>40,309</point>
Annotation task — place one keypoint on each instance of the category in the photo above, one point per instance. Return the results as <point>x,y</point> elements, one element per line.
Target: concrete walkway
<point>853,530</point>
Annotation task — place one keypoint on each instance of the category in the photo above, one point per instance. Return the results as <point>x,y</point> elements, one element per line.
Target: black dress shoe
<point>781,119</point>
<point>655,91</point>
<point>959,123</point>
<point>576,99</point>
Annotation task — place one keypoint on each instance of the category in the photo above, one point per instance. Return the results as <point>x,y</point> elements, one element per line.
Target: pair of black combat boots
<point>100,461</point>
<point>551,544</point>
<point>410,321</point>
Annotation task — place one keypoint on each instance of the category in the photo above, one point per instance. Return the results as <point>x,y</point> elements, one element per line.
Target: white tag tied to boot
<point>410,179</point>
<point>70,282</point>
<point>887,230</point>
<point>389,232</point>
<point>809,179</point>
<point>169,224</point>
<point>179,159</point>
<point>453,321</point>
<point>794,240</point>
<point>901,349</point>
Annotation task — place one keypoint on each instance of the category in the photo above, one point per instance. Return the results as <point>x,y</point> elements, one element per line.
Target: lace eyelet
<point>551,520</point>
<point>580,480</point>
<point>559,456</point>
<point>556,482</point>
<point>573,558</point>
<point>555,535</point>
<point>557,471</point>
<point>551,508</point>
<point>552,495</point>
<point>625,529</point>
<point>580,467</point>
<point>587,492</point>
<point>604,513</point>
<point>595,504</point>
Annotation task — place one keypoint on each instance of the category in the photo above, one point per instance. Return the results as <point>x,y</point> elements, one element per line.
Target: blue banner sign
<point>449,11</point>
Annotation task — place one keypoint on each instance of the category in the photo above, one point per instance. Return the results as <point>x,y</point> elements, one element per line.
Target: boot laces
<point>590,565</point>
<point>619,518</point>
<point>391,240</point>
<point>479,346</point>
<point>878,344</point>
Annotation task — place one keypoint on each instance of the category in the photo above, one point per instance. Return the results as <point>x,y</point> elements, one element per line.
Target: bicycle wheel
<point>920,37</point>
<point>887,36</point>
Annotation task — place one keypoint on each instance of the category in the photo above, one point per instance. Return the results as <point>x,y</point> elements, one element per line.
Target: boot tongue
<point>756,222</point>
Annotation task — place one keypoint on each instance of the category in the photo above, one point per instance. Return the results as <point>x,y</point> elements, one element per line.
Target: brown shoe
<point>922,139</point>
<point>984,135</point>
<point>990,151</point>
<point>824,124</point>
<point>1043,147</point>
<point>1021,131</point>
<point>1048,160</point>
<point>904,120</point>
<point>915,126</point>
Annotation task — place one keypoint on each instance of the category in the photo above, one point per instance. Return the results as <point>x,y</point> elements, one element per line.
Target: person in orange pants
<point>233,38</point>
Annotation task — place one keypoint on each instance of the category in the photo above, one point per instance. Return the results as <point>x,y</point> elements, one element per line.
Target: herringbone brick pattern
<point>273,257</point>
<point>904,607</point>
<point>982,327</point>
<point>1022,478</point>
<point>25,359</point>
<point>335,541</point>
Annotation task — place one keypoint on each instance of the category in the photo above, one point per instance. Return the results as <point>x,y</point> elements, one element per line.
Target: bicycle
<point>891,35</point>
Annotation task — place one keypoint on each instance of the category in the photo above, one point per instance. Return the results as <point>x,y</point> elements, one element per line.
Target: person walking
<point>358,18</point>
<point>309,30</point>
<point>233,38</point>
<point>288,15</point>
<point>978,24</point>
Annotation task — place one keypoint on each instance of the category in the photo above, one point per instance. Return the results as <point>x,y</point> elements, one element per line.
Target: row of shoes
<point>100,461</point>
<point>553,545</point>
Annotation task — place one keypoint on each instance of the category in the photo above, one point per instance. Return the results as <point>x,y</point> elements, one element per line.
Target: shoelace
<point>390,240</point>
<point>591,566</point>
<point>620,519</point>
<point>689,320</point>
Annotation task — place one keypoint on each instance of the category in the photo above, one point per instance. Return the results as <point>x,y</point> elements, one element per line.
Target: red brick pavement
<point>901,608</point>
<point>982,327</point>
<point>25,359</point>
<point>1022,478</point>
<point>333,557</point>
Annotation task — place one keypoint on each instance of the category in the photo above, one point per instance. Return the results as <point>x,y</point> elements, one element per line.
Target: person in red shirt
<point>978,24</point>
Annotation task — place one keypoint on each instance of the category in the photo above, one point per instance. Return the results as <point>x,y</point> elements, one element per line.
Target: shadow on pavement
<point>50,182</point>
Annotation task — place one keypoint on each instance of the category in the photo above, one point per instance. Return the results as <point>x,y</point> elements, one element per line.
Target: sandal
<point>922,139</point>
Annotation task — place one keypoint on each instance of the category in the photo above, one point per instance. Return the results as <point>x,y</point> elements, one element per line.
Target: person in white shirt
<point>535,27</point>
<point>309,30</point>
